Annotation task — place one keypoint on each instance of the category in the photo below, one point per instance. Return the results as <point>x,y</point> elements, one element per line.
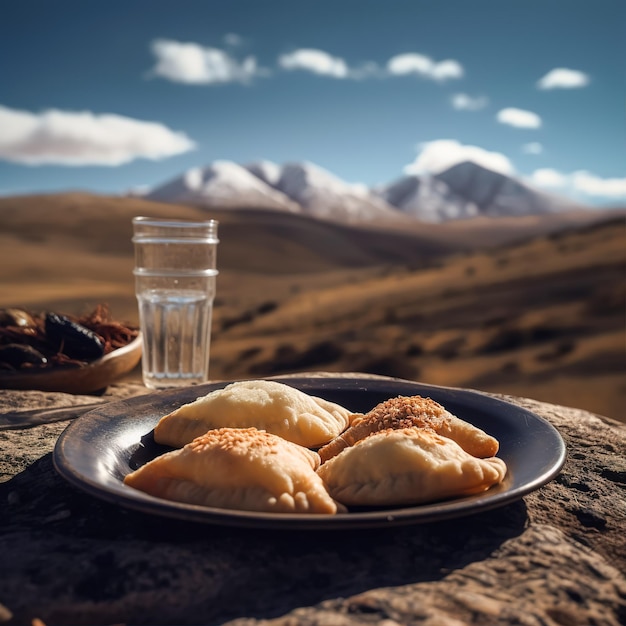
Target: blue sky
<point>118,95</point>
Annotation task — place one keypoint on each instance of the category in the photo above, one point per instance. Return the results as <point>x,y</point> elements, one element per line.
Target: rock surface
<point>558,556</point>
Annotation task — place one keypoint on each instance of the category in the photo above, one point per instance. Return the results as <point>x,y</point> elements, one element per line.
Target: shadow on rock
<point>118,565</point>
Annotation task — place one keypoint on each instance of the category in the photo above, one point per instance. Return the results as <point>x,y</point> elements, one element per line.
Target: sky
<point>115,96</point>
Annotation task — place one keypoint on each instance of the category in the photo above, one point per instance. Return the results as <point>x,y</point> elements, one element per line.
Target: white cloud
<point>84,138</point>
<point>593,185</point>
<point>463,102</point>
<point>581,182</point>
<point>547,177</point>
<point>323,63</point>
<point>534,147</point>
<point>519,118</point>
<point>192,64</point>
<point>410,63</point>
<point>316,61</point>
<point>441,154</point>
<point>443,70</point>
<point>414,63</point>
<point>563,78</point>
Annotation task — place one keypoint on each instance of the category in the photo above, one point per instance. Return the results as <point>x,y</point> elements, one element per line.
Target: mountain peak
<point>268,171</point>
<point>221,184</point>
<point>323,194</point>
<point>299,177</point>
<point>496,194</point>
<point>427,198</point>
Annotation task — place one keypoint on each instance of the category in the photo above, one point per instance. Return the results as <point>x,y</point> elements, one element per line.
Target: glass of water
<point>175,275</point>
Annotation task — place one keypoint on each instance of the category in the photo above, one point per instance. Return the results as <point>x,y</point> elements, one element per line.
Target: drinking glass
<point>175,281</point>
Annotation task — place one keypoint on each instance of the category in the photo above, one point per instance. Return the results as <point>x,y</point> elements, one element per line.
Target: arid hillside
<point>527,307</point>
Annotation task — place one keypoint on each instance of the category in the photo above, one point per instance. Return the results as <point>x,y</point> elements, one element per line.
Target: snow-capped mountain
<point>268,171</point>
<point>427,198</point>
<point>322,194</point>
<point>222,184</point>
<point>467,190</point>
<point>496,194</point>
<point>463,191</point>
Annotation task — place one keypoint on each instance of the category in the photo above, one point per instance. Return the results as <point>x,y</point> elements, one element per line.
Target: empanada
<point>234,468</point>
<point>408,411</point>
<point>263,404</point>
<point>407,466</point>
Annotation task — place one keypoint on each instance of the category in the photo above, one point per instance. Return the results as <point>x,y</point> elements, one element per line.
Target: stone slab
<point>558,556</point>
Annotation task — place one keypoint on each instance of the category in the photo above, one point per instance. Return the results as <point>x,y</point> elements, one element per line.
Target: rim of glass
<point>174,223</point>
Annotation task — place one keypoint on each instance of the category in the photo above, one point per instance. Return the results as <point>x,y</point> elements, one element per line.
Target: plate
<point>99,449</point>
<point>92,377</point>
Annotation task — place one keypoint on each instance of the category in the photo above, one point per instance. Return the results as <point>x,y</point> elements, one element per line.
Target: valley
<point>536,312</point>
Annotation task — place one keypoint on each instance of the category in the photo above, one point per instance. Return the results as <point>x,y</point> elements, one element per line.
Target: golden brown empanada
<point>263,404</point>
<point>407,466</point>
<point>233,468</point>
<point>408,411</point>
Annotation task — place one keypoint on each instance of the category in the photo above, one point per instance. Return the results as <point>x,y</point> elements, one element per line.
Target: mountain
<point>496,194</point>
<point>321,194</point>
<point>427,198</point>
<point>466,190</point>
<point>295,187</point>
<point>268,171</point>
<point>222,184</point>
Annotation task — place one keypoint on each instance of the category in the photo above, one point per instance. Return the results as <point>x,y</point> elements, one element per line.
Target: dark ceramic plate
<point>96,451</point>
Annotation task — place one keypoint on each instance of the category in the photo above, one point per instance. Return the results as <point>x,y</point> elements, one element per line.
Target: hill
<point>527,306</point>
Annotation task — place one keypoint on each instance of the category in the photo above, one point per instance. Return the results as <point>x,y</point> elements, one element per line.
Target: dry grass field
<point>530,307</point>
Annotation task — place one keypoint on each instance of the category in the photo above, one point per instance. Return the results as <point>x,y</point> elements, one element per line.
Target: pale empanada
<point>407,466</point>
<point>408,411</point>
<point>263,404</point>
<point>238,468</point>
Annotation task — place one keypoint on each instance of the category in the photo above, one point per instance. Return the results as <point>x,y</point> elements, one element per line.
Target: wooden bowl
<point>93,377</point>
